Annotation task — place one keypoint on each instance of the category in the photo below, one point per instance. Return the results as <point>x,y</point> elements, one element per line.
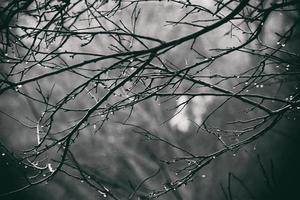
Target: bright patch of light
<point>180,120</point>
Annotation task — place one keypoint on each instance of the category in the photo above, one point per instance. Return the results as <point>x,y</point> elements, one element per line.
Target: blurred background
<point>121,156</point>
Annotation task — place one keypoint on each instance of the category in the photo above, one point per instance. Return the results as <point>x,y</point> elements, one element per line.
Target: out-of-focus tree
<point>137,99</point>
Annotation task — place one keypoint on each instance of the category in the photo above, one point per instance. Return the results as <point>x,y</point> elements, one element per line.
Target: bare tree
<point>136,99</point>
